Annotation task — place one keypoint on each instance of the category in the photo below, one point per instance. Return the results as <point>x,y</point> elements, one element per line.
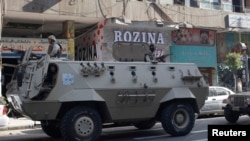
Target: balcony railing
<point>224,7</point>
<point>216,6</point>
<point>219,6</point>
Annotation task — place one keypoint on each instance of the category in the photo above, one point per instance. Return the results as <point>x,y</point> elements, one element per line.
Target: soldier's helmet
<point>151,47</point>
<point>52,37</point>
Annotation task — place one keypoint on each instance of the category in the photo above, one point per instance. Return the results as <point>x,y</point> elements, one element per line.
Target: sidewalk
<point>20,123</point>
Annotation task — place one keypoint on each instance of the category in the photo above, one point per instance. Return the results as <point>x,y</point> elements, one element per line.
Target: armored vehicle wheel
<point>145,124</point>
<point>81,124</point>
<point>231,116</point>
<point>51,128</point>
<point>178,119</point>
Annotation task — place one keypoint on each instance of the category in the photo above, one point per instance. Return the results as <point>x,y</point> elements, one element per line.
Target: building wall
<point>196,16</point>
<point>131,10</point>
<point>87,8</point>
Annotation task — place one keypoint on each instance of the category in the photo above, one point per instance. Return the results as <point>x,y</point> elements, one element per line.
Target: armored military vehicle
<point>76,99</point>
<point>237,105</point>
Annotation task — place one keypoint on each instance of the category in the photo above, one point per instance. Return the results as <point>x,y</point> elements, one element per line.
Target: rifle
<point>161,58</point>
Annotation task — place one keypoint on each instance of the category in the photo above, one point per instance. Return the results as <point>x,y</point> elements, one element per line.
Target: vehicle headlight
<point>230,100</point>
<point>247,100</point>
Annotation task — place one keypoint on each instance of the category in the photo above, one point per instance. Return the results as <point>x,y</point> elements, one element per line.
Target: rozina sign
<point>135,36</point>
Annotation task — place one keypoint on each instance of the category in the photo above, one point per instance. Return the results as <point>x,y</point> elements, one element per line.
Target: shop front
<point>190,45</point>
<point>235,39</point>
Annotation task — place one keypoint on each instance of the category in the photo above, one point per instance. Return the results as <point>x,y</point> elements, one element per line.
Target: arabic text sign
<point>40,46</point>
<point>240,21</point>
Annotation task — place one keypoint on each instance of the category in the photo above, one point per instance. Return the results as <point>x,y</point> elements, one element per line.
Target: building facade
<point>75,21</point>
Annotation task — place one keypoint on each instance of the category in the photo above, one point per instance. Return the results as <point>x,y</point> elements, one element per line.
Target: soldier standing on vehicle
<point>54,49</point>
<point>148,57</point>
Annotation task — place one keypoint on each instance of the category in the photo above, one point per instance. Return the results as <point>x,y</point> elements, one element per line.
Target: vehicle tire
<point>51,128</point>
<point>231,116</point>
<point>143,125</point>
<point>81,124</point>
<point>178,118</point>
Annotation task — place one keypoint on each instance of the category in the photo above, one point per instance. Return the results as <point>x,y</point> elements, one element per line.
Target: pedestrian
<point>54,49</point>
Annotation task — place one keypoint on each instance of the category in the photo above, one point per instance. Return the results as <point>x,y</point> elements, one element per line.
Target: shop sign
<point>239,21</point>
<point>40,46</point>
<point>136,36</point>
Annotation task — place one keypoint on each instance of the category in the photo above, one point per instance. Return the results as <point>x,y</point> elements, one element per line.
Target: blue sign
<point>202,56</point>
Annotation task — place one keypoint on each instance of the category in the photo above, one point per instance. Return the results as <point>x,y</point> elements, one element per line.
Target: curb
<point>16,127</point>
<point>20,127</point>
<point>24,126</point>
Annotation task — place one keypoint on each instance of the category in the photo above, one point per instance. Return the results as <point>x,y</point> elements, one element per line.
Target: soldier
<point>148,57</point>
<point>151,56</point>
<point>54,48</point>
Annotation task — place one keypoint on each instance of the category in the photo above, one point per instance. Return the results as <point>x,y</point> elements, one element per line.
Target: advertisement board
<point>192,36</point>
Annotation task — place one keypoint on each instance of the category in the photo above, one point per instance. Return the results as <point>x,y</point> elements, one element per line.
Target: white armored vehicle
<point>76,99</point>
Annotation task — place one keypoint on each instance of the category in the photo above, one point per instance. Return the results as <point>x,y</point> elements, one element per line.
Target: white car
<point>4,119</point>
<point>216,99</point>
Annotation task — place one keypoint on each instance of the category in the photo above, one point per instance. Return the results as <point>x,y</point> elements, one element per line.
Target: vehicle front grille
<point>239,101</point>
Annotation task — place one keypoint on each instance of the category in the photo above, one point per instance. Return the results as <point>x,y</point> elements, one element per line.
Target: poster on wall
<point>188,36</point>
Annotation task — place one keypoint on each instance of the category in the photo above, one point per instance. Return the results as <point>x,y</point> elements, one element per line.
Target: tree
<point>234,63</point>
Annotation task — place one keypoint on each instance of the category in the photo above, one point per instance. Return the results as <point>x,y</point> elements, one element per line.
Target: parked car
<point>216,99</point>
<point>4,119</point>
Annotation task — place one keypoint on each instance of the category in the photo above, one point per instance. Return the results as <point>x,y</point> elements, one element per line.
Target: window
<point>181,2</point>
<point>221,91</point>
<point>211,92</point>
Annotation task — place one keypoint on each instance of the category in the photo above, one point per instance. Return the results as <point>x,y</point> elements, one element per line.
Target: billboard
<point>192,36</point>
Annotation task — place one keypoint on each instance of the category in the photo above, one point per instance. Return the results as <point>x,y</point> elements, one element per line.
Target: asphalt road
<point>130,133</point>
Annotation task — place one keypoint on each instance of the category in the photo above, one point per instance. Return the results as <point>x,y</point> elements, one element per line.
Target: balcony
<point>216,6</point>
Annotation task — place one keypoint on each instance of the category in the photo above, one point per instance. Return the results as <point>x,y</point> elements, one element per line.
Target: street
<point>199,132</point>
